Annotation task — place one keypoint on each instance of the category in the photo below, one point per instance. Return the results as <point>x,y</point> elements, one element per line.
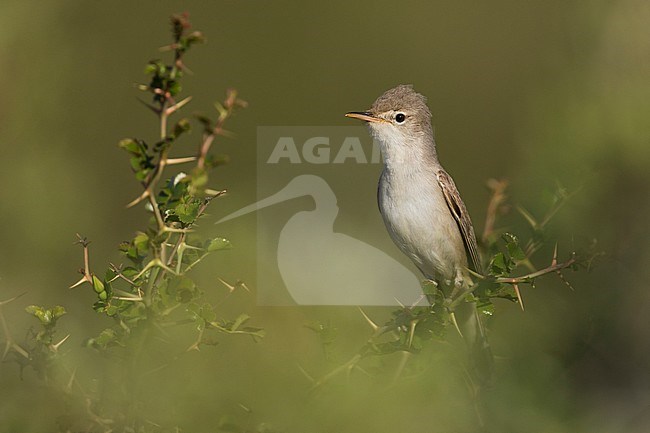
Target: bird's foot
<point>459,280</point>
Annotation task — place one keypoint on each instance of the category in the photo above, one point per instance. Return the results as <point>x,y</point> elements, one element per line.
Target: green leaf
<point>131,146</point>
<point>181,126</point>
<point>187,212</point>
<point>429,287</point>
<point>40,313</point>
<point>486,308</point>
<point>155,67</point>
<point>487,289</point>
<point>112,309</point>
<point>174,87</point>
<point>167,294</point>
<point>184,290</point>
<point>243,318</point>
<point>141,242</point>
<point>512,244</point>
<point>141,161</point>
<point>515,252</point>
<point>498,264</point>
<point>217,244</point>
<point>46,317</point>
<point>207,313</point>
<point>134,312</point>
<point>194,310</point>
<point>34,310</point>
<point>58,311</point>
<point>213,161</point>
<point>105,338</point>
<point>110,274</point>
<point>136,250</point>
<point>130,271</point>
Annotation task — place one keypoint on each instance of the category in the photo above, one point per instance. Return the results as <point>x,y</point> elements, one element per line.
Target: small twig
<point>119,274</point>
<point>352,362</point>
<point>529,277</point>
<point>562,200</point>
<point>195,345</point>
<point>155,264</point>
<point>194,263</point>
<point>345,367</point>
<point>172,253</point>
<point>497,199</point>
<point>205,148</point>
<point>87,275</point>
<point>164,115</point>
<point>225,111</point>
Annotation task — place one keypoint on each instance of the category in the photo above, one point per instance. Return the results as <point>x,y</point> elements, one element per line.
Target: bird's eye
<point>400,117</point>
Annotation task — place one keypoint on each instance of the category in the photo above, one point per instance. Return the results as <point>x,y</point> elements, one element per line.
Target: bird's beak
<point>365,116</point>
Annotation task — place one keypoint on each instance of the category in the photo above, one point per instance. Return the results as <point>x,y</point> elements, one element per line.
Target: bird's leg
<point>460,282</point>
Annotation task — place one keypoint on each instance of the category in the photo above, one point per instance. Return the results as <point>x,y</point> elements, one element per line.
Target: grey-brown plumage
<point>418,200</point>
<point>422,208</point>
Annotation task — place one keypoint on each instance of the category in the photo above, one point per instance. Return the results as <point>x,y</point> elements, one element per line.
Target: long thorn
<point>142,196</point>
<point>178,105</point>
<point>372,324</point>
<point>56,346</point>
<point>453,320</point>
<point>68,387</point>
<point>519,298</point>
<point>182,160</point>
<point>149,106</point>
<point>304,372</point>
<point>230,287</point>
<point>6,301</point>
<point>79,283</point>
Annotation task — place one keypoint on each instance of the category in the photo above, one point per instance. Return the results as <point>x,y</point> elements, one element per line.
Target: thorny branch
<point>497,200</point>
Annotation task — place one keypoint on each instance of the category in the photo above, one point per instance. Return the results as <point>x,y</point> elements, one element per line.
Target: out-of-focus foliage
<point>535,92</point>
<point>153,290</point>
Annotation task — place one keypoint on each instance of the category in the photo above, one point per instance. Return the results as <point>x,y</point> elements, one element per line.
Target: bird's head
<point>399,116</point>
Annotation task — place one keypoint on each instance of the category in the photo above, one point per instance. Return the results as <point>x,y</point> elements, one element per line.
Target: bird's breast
<point>418,220</point>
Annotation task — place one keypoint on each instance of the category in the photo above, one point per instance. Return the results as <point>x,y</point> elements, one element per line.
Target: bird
<point>418,200</point>
<point>423,211</point>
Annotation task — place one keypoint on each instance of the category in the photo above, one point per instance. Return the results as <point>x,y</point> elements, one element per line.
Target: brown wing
<point>458,210</point>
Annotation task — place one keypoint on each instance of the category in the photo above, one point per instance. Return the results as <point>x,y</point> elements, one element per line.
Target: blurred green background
<point>535,92</point>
